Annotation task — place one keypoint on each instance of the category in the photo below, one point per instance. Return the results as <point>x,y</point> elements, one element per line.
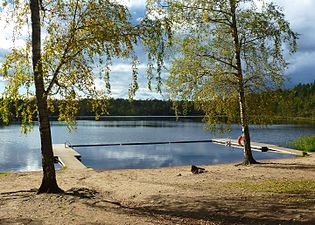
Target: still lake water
<point>19,152</point>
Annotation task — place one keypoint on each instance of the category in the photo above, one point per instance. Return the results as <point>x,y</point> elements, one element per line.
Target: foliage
<point>298,102</point>
<point>79,38</point>
<point>284,105</point>
<point>123,107</point>
<point>205,68</point>
<point>306,143</point>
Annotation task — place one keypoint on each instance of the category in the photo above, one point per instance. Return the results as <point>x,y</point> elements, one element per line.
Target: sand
<point>277,192</point>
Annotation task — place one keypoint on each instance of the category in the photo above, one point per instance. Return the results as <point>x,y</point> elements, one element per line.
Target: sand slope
<point>278,192</point>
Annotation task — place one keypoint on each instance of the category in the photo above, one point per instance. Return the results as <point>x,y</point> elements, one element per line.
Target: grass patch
<point>4,173</point>
<point>277,186</point>
<point>306,143</point>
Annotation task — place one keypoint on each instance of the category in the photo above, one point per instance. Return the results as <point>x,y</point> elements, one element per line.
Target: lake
<point>19,152</point>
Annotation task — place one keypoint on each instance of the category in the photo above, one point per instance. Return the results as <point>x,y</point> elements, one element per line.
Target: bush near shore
<point>306,143</point>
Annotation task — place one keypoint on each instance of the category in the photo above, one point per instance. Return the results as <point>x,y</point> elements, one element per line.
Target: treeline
<point>297,102</point>
<point>115,107</point>
<point>291,103</point>
<point>125,107</point>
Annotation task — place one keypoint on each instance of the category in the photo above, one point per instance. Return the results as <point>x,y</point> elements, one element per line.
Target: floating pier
<point>138,143</point>
<point>67,157</point>
<point>228,142</point>
<point>261,147</point>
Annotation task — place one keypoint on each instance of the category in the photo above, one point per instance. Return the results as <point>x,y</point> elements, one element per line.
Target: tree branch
<point>219,60</point>
<point>54,79</point>
<point>64,57</point>
<point>225,21</point>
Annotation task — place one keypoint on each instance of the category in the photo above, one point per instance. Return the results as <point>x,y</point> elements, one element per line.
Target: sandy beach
<point>274,192</point>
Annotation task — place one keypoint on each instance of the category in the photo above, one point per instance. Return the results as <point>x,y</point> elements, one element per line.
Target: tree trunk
<point>49,182</point>
<point>248,156</point>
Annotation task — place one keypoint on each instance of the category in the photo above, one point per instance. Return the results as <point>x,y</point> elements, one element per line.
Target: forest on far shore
<point>296,102</point>
<point>290,104</point>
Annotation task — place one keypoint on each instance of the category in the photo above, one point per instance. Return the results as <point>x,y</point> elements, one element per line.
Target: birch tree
<point>66,40</point>
<point>225,49</point>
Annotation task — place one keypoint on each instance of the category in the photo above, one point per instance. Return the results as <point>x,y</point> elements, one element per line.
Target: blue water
<point>19,152</point>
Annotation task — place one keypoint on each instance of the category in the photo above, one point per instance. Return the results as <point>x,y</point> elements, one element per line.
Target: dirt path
<point>281,192</point>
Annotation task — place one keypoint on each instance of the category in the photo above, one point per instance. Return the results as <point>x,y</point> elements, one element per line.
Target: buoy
<point>240,140</point>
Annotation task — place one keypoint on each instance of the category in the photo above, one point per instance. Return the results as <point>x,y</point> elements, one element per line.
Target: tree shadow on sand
<point>275,209</point>
<point>232,209</point>
<point>236,210</point>
<point>11,221</point>
<point>76,192</point>
<point>293,166</point>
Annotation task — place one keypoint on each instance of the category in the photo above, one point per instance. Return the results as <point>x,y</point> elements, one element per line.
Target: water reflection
<point>15,158</point>
<point>20,153</point>
<point>154,156</point>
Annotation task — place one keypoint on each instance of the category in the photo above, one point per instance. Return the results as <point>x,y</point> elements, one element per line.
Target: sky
<point>300,14</point>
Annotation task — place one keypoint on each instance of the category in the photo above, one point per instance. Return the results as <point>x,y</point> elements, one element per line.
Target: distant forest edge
<point>296,104</point>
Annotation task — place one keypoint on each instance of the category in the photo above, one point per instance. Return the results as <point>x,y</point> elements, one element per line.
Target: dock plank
<point>259,146</point>
<point>68,157</point>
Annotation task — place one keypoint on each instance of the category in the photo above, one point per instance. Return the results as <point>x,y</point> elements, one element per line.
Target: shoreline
<point>235,163</point>
<point>278,191</point>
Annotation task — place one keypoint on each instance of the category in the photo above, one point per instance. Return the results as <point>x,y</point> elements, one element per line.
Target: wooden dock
<point>261,147</point>
<point>68,157</point>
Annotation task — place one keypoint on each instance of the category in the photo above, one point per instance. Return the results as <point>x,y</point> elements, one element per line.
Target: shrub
<point>306,143</point>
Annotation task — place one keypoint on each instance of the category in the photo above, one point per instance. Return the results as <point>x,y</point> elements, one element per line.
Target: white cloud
<point>123,68</point>
<point>120,79</point>
<point>298,12</point>
<point>133,3</point>
<point>259,3</point>
<point>6,36</point>
<point>99,84</point>
<point>7,43</point>
<point>144,93</point>
<point>2,87</point>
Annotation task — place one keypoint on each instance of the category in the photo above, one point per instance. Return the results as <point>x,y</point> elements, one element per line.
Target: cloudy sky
<point>300,13</point>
